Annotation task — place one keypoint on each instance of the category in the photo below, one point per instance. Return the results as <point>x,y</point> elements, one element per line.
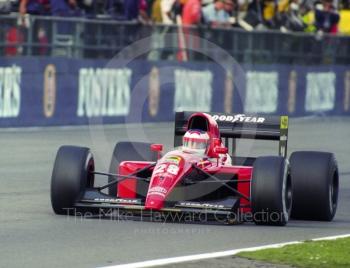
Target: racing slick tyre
<point>128,151</point>
<point>271,191</point>
<point>70,176</point>
<point>315,179</point>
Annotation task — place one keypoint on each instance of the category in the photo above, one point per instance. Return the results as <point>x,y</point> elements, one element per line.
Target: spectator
<point>87,6</point>
<point>106,9</point>
<point>166,6</point>
<point>215,13</point>
<point>345,4</point>
<point>131,9</point>
<point>327,17</point>
<point>43,41</point>
<point>263,14</point>
<point>229,6</point>
<point>33,7</point>
<point>14,39</point>
<point>344,23</point>
<point>145,12</point>
<point>269,12</point>
<point>191,12</point>
<point>254,15</point>
<point>5,6</point>
<point>308,16</point>
<point>176,10</point>
<point>64,8</point>
<point>291,18</point>
<point>156,13</point>
<point>309,21</point>
<point>136,10</point>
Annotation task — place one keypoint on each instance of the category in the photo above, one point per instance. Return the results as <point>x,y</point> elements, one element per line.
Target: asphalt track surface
<point>31,235</point>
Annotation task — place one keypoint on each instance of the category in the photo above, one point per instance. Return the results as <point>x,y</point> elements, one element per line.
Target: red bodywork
<point>175,165</point>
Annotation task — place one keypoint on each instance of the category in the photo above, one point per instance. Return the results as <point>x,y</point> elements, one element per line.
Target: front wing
<point>100,203</point>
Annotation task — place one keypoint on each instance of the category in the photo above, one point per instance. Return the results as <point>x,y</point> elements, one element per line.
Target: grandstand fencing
<point>103,39</point>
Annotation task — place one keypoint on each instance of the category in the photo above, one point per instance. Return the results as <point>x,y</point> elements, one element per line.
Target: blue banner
<point>60,91</point>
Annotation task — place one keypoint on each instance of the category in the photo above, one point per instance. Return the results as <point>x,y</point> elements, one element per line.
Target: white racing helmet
<point>195,141</point>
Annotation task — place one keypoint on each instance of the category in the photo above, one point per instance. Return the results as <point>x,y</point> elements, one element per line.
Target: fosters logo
<point>104,92</point>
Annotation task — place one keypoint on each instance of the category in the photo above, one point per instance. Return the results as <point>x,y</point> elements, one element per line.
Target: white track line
<point>159,262</point>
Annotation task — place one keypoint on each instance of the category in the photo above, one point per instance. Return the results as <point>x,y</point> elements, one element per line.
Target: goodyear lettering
<point>241,118</point>
<point>158,189</point>
<point>200,205</point>
<point>116,200</point>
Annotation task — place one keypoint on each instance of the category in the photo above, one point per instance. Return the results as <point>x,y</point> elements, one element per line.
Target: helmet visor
<point>195,144</point>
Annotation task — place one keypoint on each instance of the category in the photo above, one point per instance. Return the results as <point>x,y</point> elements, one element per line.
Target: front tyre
<point>271,191</point>
<point>71,175</point>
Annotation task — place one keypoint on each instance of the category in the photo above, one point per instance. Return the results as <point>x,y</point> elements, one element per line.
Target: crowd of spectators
<point>284,15</point>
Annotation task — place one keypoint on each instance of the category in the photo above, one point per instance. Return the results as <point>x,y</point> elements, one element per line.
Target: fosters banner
<point>49,91</point>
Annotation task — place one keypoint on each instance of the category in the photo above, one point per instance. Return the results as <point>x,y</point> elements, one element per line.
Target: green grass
<point>320,254</point>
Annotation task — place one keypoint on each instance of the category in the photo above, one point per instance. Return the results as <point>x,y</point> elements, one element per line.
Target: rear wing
<point>241,126</point>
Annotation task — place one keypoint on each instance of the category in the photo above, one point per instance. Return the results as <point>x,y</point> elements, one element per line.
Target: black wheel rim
<point>333,192</point>
<point>90,175</point>
<point>288,194</point>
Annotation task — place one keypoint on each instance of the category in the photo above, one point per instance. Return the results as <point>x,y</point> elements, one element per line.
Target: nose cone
<point>166,175</point>
<point>154,202</point>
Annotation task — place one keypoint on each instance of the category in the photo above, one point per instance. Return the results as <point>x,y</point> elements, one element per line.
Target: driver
<point>197,142</point>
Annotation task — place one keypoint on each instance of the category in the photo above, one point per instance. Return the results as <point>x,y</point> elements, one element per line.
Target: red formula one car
<point>202,177</point>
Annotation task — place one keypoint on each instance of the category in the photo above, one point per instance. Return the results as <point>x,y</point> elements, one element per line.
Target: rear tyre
<point>315,185</point>
<point>128,151</point>
<point>271,191</point>
<point>70,177</point>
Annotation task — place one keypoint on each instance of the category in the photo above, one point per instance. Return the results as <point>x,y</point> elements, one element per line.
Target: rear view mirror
<point>221,150</point>
<point>216,142</point>
<point>156,147</point>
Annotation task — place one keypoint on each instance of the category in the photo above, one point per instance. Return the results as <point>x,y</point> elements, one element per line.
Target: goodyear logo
<point>158,189</point>
<point>284,122</point>
<point>200,205</point>
<point>117,200</point>
<point>240,118</point>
